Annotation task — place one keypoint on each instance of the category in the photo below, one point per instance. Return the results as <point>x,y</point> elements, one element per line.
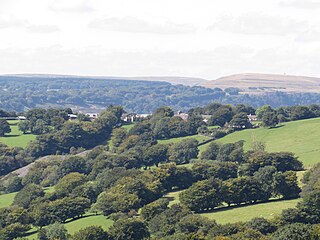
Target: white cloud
<point>10,22</point>
<point>15,23</point>
<point>136,25</point>
<point>258,23</point>
<point>43,28</point>
<point>71,6</point>
<point>301,4</point>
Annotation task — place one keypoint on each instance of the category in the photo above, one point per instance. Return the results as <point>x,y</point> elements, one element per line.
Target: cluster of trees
<point>118,182</point>
<point>39,120</point>
<point>18,94</point>
<point>124,229</point>
<point>236,116</point>
<point>232,177</point>
<point>12,158</point>
<point>115,184</point>
<point>177,222</point>
<point>164,125</point>
<point>208,194</point>
<point>271,117</point>
<point>80,134</point>
<point>222,115</point>
<point>4,127</point>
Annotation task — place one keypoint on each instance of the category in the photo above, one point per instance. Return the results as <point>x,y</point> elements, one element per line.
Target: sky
<point>191,38</point>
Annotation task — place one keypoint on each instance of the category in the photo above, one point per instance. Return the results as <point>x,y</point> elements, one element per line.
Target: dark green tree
<point>129,229</point>
<point>155,154</point>
<point>4,127</point>
<point>295,231</point>
<point>27,195</point>
<point>91,233</point>
<point>269,119</point>
<point>183,152</point>
<point>202,196</point>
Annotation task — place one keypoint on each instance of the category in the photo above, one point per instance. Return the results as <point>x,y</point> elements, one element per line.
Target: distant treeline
<point>21,93</point>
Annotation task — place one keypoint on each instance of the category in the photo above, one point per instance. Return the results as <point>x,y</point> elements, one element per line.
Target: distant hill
<point>188,81</point>
<point>257,83</point>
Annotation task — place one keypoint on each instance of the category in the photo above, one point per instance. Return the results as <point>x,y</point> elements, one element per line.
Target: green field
<point>301,137</point>
<point>247,212</point>
<point>16,138</point>
<point>173,197</point>
<point>242,213</point>
<point>128,126</point>
<point>86,221</point>
<point>6,199</point>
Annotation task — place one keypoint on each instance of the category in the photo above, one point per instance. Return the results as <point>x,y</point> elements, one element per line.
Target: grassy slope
<point>242,213</point>
<point>6,199</point>
<point>128,127</point>
<point>246,213</point>
<point>16,138</point>
<point>76,225</point>
<point>301,137</point>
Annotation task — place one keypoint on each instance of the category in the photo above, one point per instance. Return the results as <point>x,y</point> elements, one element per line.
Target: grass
<point>173,197</point>
<point>301,137</point>
<point>247,212</point>
<point>128,126</point>
<point>16,138</point>
<point>99,220</point>
<point>86,221</point>
<point>6,199</point>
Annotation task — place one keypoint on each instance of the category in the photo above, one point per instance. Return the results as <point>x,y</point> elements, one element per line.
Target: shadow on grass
<point>278,126</point>
<point>13,135</point>
<point>219,209</point>
<point>34,231</point>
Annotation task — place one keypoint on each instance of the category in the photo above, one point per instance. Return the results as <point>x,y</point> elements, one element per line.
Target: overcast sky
<point>196,38</point>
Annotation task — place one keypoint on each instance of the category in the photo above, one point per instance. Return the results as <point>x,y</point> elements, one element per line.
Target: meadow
<point>80,223</point>
<point>300,137</point>
<point>245,213</point>
<point>6,199</point>
<point>16,138</point>
<point>72,226</point>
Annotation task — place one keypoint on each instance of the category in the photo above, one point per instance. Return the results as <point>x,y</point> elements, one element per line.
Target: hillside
<point>301,137</point>
<point>257,83</point>
<point>16,138</point>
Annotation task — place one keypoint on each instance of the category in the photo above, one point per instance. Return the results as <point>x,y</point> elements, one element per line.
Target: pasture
<point>247,212</point>
<point>16,138</point>
<point>300,137</point>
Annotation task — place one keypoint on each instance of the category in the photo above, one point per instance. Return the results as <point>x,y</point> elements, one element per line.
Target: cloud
<point>136,25</point>
<point>70,6</point>
<point>309,36</point>
<point>43,28</point>
<point>11,22</point>
<point>254,23</point>
<point>6,23</point>
<point>305,4</point>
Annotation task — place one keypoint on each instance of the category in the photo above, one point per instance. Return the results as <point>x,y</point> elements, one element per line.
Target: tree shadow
<point>9,136</point>
<point>278,126</point>
<point>33,231</point>
<point>219,209</point>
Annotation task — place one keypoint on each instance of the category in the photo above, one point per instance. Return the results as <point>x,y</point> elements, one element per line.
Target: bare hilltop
<point>256,83</point>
